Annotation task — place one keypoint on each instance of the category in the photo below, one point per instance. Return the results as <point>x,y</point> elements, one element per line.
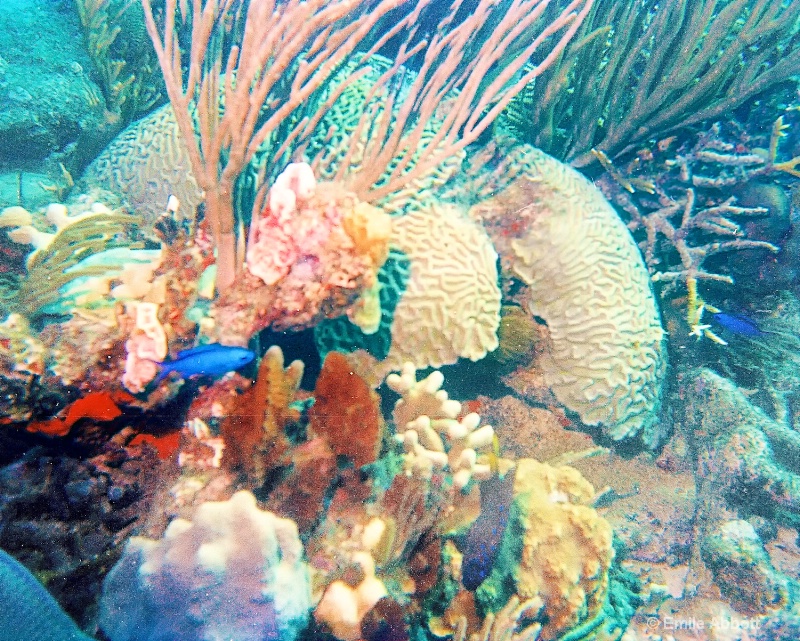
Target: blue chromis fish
<point>740,325</point>
<point>207,360</point>
<point>28,611</point>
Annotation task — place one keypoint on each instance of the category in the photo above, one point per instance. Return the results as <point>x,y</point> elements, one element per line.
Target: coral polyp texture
<point>450,305</point>
<point>433,437</point>
<point>234,572</point>
<point>556,548</point>
<point>146,164</point>
<point>606,359</point>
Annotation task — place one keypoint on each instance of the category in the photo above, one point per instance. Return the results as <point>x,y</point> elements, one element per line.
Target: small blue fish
<point>207,360</point>
<point>740,325</point>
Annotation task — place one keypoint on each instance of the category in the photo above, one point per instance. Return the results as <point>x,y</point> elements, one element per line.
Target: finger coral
<point>433,437</point>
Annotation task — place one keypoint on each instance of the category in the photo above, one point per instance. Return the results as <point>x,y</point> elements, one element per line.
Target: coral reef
<point>186,585</point>
<point>619,83</point>
<point>742,569</point>
<point>67,518</point>
<point>343,401</point>
<point>65,256</point>
<point>449,305</point>
<point>127,82</point>
<point>433,437</point>
<point>308,259</point>
<point>606,358</point>
<point>683,205</point>
<point>146,164</point>
<point>748,461</point>
<point>51,110</point>
<point>556,548</point>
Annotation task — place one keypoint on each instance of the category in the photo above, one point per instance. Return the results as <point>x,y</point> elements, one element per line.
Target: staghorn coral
<point>606,357</point>
<point>681,204</point>
<point>185,584</point>
<point>557,548</point>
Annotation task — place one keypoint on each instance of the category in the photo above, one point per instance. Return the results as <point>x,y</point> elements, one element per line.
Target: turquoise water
<point>392,321</point>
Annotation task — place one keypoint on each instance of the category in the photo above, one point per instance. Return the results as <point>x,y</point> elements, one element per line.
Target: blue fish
<point>740,325</point>
<point>485,535</point>
<point>28,611</point>
<point>207,360</point>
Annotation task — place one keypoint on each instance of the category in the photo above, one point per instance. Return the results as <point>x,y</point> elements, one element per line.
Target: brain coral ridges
<point>606,358</point>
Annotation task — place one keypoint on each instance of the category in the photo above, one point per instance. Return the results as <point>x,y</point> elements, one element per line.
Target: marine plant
<point>128,87</point>
<point>280,53</point>
<point>641,69</point>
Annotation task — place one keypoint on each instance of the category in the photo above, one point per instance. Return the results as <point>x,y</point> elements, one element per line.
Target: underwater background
<point>399,320</point>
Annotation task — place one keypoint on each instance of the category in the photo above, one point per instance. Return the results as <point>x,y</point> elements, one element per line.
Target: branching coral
<point>433,437</point>
<point>681,210</point>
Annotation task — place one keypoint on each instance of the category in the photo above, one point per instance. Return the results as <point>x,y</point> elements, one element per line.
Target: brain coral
<point>450,307</point>
<point>607,355</point>
<point>146,163</point>
<point>234,572</point>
